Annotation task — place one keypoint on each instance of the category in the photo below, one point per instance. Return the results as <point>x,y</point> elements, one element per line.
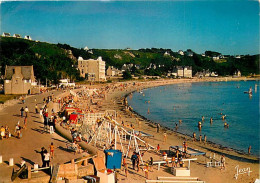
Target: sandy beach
<point>198,168</point>
<point>113,101</point>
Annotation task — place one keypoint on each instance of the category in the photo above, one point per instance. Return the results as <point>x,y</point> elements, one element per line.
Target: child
<point>146,171</point>
<point>52,150</point>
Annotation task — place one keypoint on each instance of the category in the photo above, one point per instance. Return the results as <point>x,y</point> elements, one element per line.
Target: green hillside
<point>49,61</point>
<point>52,61</point>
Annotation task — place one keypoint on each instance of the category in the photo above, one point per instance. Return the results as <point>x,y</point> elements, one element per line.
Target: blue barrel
<point>113,159</point>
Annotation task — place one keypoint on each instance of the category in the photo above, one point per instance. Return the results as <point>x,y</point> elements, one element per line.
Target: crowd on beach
<point>93,101</point>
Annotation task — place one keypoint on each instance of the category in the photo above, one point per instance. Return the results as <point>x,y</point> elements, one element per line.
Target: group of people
<point>200,138</point>
<point>5,132</point>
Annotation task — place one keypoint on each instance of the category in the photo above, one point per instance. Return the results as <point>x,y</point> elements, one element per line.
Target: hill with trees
<point>56,61</point>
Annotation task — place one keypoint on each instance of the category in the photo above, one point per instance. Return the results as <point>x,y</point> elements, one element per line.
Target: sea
<point>190,101</point>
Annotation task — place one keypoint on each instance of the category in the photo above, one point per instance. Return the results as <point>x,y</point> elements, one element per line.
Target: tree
<point>127,75</point>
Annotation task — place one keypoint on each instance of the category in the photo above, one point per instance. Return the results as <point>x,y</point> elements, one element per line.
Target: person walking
<point>26,110</point>
<point>22,110</point>
<point>36,108</point>
<point>46,159</point>
<point>52,150</point>
<point>133,159</point>
<point>158,127</point>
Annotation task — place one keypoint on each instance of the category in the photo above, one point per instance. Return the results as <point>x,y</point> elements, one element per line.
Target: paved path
<point>32,139</point>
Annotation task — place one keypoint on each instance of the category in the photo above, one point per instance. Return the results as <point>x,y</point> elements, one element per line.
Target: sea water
<point>190,101</point>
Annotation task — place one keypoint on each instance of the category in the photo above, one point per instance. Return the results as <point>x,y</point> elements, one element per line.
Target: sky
<point>229,27</point>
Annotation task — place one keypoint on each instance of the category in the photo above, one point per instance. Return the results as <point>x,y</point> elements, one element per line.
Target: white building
<point>180,52</point>
<point>93,70</point>
<point>27,37</point>
<point>5,34</point>
<point>17,36</point>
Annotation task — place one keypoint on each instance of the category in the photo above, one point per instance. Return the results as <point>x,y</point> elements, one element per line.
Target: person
<point>125,166</point>
<point>46,159</point>
<point>26,110</point>
<point>249,150</point>
<point>51,124</point>
<point>133,159</point>
<point>180,121</point>
<point>42,156</point>
<point>52,150</point>
<point>202,118</point>
<point>7,132</point>
<point>200,138</point>
<point>225,124</point>
<point>138,162</point>
<point>185,150</point>
<point>22,110</point>
<point>158,148</point>
<point>205,139</point>
<point>223,162</point>
<point>41,112</point>
<point>211,120</point>
<point>158,127</point>
<point>25,122</point>
<point>2,130</point>
<point>36,109</point>
<point>164,137</point>
<point>146,171</point>
<point>45,123</point>
<point>194,137</point>
<point>18,130</point>
<point>223,117</point>
<point>176,126</point>
<point>151,163</point>
<point>199,125</point>
<point>165,157</point>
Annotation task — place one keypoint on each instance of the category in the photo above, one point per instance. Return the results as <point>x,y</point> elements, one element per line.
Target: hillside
<point>49,61</point>
<point>55,61</point>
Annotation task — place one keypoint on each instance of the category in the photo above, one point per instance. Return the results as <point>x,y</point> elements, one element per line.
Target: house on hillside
<point>5,34</point>
<point>180,52</point>
<point>91,69</point>
<point>17,36</point>
<point>27,37</point>
<point>189,53</point>
<point>166,54</point>
<point>19,80</point>
<point>126,67</point>
<point>111,71</point>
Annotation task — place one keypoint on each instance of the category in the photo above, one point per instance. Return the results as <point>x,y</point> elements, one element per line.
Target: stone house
<point>111,71</point>
<point>19,80</point>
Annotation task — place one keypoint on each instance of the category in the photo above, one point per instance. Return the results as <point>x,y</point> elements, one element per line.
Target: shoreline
<point>185,136</point>
<point>212,143</point>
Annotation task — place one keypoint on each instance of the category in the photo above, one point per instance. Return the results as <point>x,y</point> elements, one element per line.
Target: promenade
<point>32,139</point>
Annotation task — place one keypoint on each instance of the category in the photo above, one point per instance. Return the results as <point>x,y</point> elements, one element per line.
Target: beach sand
<point>33,140</point>
<point>198,168</point>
